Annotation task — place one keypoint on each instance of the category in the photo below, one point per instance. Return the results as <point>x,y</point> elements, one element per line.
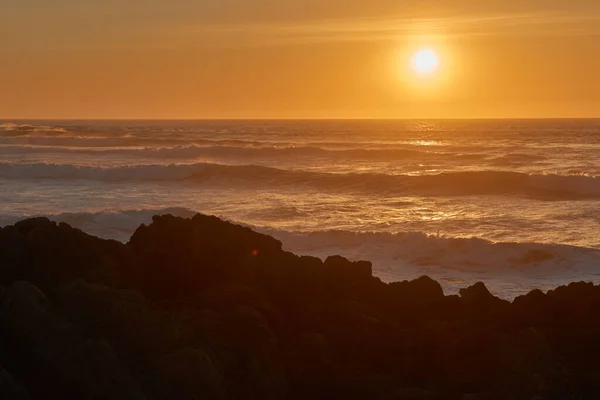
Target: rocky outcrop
<point>175,257</point>
<point>48,254</point>
<point>201,308</point>
<point>11,389</point>
<point>51,357</point>
<point>420,291</point>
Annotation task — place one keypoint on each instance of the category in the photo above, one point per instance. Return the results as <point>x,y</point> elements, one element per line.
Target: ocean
<point>512,203</point>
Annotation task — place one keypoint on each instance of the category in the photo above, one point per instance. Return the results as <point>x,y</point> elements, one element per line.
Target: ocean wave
<point>278,213</point>
<point>453,253</point>
<point>75,138</point>
<point>465,183</point>
<point>107,174</point>
<point>15,130</point>
<point>229,151</point>
<point>517,159</point>
<point>509,269</point>
<point>73,141</point>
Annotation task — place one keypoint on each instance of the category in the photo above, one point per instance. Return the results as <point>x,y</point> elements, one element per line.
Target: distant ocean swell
<point>445,184</point>
<point>33,137</point>
<point>93,140</point>
<point>150,148</point>
<point>185,152</point>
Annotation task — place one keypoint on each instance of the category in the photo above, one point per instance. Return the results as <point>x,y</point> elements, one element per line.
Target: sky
<point>188,59</point>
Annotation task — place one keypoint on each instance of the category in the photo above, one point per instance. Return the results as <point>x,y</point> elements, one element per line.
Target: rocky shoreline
<point>203,309</point>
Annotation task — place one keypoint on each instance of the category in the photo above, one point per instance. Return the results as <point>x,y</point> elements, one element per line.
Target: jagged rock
<point>227,354</point>
<point>577,294</point>
<point>176,257</point>
<point>476,294</point>
<point>422,290</point>
<point>411,394</point>
<point>11,389</point>
<point>26,306</point>
<point>202,308</point>
<point>314,346</point>
<point>535,298</point>
<point>340,267</point>
<point>48,254</point>
<point>479,396</point>
<point>190,374</point>
<point>49,355</point>
<point>124,317</point>
<point>533,309</point>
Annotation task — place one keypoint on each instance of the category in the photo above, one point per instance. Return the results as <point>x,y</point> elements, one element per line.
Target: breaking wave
<point>509,269</point>
<point>15,130</point>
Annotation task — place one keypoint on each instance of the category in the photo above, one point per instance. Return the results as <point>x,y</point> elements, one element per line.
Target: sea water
<point>512,203</point>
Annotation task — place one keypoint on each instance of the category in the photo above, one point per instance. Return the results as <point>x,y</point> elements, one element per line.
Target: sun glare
<point>425,61</point>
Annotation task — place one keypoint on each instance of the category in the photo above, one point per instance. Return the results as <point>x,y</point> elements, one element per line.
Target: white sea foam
<point>509,269</point>
<point>12,129</point>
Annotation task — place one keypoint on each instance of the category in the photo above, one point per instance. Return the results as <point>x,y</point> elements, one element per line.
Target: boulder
<point>51,356</point>
<point>411,394</point>
<point>189,373</point>
<point>340,267</point>
<point>177,257</point>
<point>533,309</point>
<point>49,254</point>
<point>10,389</point>
<point>420,291</point>
<point>477,294</point>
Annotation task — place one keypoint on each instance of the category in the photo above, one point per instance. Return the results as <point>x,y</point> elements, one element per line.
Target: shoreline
<point>199,307</point>
<point>456,262</point>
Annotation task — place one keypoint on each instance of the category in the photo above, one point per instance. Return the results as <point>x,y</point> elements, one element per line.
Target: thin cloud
<point>532,24</point>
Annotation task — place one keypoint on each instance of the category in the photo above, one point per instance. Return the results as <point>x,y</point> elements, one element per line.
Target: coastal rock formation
<point>201,308</point>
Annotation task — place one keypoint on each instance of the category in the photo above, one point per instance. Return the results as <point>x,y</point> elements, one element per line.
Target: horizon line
<point>308,119</point>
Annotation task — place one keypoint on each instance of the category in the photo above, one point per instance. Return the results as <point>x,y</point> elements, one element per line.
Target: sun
<point>425,61</point>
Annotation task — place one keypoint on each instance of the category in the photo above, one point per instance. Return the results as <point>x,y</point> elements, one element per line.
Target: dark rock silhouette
<point>203,309</point>
<point>11,389</point>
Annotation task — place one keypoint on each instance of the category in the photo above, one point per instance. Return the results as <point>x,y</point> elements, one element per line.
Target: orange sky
<point>298,59</point>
